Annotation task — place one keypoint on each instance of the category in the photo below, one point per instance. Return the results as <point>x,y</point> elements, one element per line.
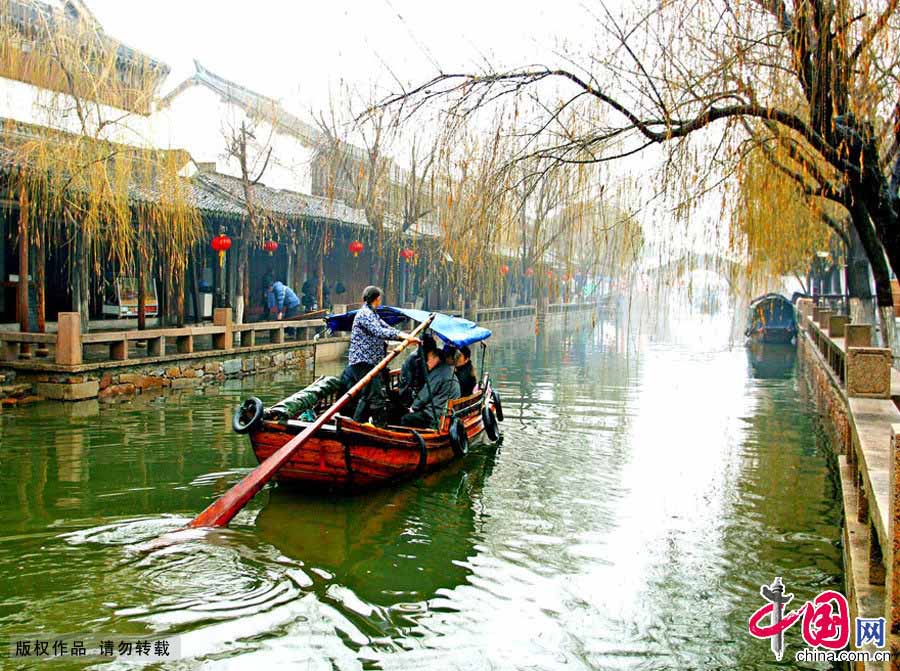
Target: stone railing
<point>564,308</point>
<point>863,370</point>
<point>498,314</point>
<point>70,342</point>
<point>70,345</point>
<point>856,390</point>
<point>495,314</point>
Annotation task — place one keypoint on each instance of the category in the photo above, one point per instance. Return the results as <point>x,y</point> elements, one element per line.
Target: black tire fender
<point>489,420</point>
<point>247,416</point>
<point>459,439</point>
<point>423,450</point>
<point>498,406</point>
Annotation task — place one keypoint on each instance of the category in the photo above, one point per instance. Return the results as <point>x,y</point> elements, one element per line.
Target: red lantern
<point>221,244</point>
<point>407,254</point>
<point>529,272</point>
<point>550,274</point>
<point>270,246</point>
<point>504,270</point>
<point>355,247</point>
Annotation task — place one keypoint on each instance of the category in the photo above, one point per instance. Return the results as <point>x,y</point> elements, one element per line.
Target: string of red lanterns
<point>408,254</point>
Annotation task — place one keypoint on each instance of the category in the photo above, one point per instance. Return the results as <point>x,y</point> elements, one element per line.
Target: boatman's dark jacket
<point>412,377</point>
<point>466,376</point>
<point>441,386</point>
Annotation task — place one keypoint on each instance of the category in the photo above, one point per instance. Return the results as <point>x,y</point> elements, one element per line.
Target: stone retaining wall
<point>828,396</point>
<point>110,383</point>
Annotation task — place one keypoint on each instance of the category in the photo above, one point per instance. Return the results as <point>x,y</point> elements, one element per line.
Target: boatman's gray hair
<point>370,293</point>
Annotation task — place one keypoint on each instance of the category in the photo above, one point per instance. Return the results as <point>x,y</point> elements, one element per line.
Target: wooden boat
<point>771,319</point>
<point>350,456</point>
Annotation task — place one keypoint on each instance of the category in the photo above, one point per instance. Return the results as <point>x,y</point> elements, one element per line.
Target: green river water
<point>645,490</point>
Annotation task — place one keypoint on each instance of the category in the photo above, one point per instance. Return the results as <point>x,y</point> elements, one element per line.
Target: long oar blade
<point>230,503</point>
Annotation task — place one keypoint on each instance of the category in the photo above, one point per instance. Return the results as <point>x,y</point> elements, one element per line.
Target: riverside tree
<point>79,187</point>
<point>244,146</point>
<point>817,79</point>
<point>392,197</point>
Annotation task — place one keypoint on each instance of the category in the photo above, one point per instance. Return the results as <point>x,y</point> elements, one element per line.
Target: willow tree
<point>78,188</point>
<point>471,216</point>
<point>820,74</point>
<point>361,175</point>
<point>360,159</point>
<point>252,155</point>
<point>780,229</point>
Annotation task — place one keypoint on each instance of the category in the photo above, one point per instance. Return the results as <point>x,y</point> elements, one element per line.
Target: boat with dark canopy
<point>771,319</point>
<point>348,455</point>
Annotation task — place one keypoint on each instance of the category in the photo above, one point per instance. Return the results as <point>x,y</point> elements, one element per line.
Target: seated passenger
<point>465,371</point>
<point>412,374</point>
<point>441,387</point>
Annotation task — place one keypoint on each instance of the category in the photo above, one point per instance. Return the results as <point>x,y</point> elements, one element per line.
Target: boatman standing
<point>368,346</point>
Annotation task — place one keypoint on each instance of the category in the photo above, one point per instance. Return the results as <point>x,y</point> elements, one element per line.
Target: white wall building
<point>202,113</point>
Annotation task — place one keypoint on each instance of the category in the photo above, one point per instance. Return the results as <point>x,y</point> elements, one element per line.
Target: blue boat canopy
<point>453,330</point>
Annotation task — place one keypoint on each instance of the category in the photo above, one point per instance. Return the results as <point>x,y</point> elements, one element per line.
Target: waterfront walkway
<point>857,387</point>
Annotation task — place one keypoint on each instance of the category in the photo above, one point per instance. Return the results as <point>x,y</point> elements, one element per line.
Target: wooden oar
<point>230,503</point>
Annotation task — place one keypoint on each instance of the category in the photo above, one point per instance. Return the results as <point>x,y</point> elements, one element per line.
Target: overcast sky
<point>296,50</point>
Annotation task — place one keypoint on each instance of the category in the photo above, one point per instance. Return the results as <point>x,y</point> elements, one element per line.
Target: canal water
<point>646,488</point>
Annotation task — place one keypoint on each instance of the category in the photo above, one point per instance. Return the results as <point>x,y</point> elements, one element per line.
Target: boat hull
<point>350,456</point>
<point>774,336</point>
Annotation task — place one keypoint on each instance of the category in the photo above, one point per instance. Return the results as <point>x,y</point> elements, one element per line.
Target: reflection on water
<point>771,360</point>
<point>644,491</point>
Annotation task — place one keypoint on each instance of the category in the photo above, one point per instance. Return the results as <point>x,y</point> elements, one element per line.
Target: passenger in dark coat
<point>412,373</point>
<point>465,372</point>
<point>441,387</point>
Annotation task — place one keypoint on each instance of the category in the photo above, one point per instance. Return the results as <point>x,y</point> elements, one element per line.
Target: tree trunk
<point>163,297</point>
<point>22,289</point>
<point>195,288</point>
<point>179,283</point>
<point>320,284</point>
<point>300,265</point>
<point>242,270</point>
<point>40,279</point>
<point>857,271</point>
<point>245,282</point>
<point>289,266</point>
<point>78,261</point>
<point>141,293</point>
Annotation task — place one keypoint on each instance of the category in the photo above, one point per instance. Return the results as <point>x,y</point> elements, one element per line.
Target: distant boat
<point>771,319</point>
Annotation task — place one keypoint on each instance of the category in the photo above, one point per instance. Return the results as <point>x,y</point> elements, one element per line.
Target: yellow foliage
<point>115,201</point>
<point>775,224</point>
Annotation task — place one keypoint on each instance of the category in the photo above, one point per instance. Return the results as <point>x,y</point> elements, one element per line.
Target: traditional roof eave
<point>74,11</point>
<point>255,104</point>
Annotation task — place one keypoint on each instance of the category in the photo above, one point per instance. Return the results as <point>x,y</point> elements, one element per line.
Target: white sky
<point>295,50</point>
<point>298,51</point>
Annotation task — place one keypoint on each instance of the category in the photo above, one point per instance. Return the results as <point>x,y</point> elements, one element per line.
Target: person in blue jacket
<point>282,299</point>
